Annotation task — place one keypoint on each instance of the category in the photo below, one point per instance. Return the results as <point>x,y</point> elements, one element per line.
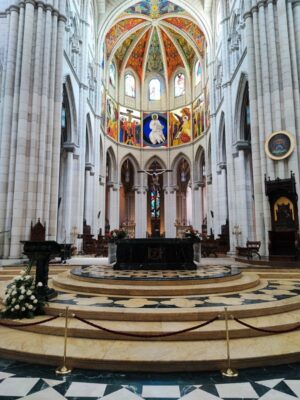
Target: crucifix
<point>154,173</point>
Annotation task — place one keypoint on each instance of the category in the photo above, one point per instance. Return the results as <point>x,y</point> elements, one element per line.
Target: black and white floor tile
<point>31,382</point>
<point>272,291</point>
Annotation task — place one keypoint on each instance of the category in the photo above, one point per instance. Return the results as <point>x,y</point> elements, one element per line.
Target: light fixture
<point>182,173</point>
<point>127,172</point>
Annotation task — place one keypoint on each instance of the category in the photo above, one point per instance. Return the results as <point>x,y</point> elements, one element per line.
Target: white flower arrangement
<point>23,298</point>
<point>192,234</point>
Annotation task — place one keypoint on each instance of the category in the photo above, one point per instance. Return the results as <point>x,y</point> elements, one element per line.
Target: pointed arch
<point>221,140</point>
<point>72,131</point>
<point>242,88</point>
<point>112,162</point>
<point>199,164</point>
<point>175,165</point>
<point>135,164</point>
<point>89,154</point>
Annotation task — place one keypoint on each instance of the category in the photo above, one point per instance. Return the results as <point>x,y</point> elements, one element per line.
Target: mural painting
<point>180,126</point>
<point>130,127</point>
<point>111,118</point>
<point>198,116</point>
<point>155,129</point>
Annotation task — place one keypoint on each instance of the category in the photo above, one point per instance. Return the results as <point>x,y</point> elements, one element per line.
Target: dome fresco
<point>155,45</point>
<point>154,36</point>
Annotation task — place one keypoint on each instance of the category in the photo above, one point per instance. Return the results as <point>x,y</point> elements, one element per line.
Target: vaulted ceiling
<point>155,36</point>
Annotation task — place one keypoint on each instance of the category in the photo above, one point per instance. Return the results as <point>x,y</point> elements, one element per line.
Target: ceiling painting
<point>155,61</point>
<point>189,27</point>
<point>154,8</point>
<point>121,52</point>
<point>118,30</point>
<point>136,59</point>
<point>186,48</point>
<point>173,58</point>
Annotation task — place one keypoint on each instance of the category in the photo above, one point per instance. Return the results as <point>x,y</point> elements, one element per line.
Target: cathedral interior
<point>149,178</point>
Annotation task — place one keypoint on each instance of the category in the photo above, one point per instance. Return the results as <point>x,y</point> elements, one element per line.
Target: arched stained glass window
<point>154,89</point>
<point>179,85</point>
<point>155,204</point>
<point>112,75</point>
<point>198,72</point>
<point>129,85</point>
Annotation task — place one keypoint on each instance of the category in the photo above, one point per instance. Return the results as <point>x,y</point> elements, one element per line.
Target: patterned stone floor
<point>32,382</point>
<point>107,272</point>
<point>273,290</point>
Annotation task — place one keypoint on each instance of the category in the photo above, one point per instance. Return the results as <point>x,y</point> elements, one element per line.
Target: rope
<point>295,328</point>
<point>146,336</point>
<point>30,323</point>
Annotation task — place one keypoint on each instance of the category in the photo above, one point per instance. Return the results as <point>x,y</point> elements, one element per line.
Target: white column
<point>197,207</point>
<point>170,211</point>
<point>114,210</point>
<point>140,211</point>
<point>7,107</point>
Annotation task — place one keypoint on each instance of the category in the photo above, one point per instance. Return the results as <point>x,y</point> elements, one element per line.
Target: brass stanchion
<point>228,372</point>
<point>64,370</point>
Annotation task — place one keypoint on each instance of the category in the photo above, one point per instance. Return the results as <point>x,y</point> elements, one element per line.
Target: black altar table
<point>155,253</point>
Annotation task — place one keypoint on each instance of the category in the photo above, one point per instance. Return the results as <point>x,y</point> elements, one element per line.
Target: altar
<point>155,253</point>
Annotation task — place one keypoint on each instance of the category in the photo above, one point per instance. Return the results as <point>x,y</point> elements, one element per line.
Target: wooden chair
<point>253,248</point>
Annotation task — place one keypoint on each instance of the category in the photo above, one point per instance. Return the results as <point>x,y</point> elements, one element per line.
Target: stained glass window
<point>155,204</point>
<point>112,75</point>
<point>129,85</point>
<point>154,89</point>
<point>198,72</point>
<point>179,85</point>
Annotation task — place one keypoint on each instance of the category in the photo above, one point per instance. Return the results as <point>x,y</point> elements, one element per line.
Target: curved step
<point>149,355</point>
<point>161,331</point>
<point>66,281</point>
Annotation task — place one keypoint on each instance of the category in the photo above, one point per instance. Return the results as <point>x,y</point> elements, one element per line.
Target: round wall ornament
<point>280,145</point>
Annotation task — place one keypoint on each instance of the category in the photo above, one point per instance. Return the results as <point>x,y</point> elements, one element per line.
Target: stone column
<point>114,210</point>
<point>140,211</point>
<point>170,211</point>
<point>197,201</point>
<point>257,151</point>
<point>9,124</point>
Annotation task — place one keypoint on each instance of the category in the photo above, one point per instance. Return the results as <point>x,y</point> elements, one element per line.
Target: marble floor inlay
<point>272,291</point>
<point>107,272</point>
<point>19,380</point>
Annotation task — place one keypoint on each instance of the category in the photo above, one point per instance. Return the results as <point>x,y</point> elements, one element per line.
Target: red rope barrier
<point>146,336</point>
<point>29,324</point>
<point>295,328</point>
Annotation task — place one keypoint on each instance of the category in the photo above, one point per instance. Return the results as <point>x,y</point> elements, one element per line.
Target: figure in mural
<point>156,135</point>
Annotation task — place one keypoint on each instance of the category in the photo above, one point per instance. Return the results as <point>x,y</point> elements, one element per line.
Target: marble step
<point>135,311</point>
<point>66,281</point>
<point>149,355</point>
<point>215,330</point>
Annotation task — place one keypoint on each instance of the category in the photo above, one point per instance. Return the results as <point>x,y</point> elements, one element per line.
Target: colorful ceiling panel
<point>174,59</point>
<point>154,8</point>
<point>136,59</point>
<point>189,27</point>
<point>186,48</point>
<point>155,36</point>
<point>122,50</point>
<point>155,61</point>
<point>118,30</point>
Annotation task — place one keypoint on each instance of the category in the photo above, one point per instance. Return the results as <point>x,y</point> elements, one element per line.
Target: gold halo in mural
<point>280,145</point>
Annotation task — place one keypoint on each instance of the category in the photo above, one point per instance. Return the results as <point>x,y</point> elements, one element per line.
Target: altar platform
<point>163,320</point>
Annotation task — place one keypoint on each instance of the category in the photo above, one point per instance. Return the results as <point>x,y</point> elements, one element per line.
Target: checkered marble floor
<point>107,272</point>
<point>32,382</point>
<point>273,290</point>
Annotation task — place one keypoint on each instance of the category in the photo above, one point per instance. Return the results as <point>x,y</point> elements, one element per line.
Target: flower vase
<point>112,252</point>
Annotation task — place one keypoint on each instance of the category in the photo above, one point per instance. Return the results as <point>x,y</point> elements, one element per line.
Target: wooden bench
<point>252,247</point>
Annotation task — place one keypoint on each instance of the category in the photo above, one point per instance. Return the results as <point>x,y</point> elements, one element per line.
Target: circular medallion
<point>280,145</point>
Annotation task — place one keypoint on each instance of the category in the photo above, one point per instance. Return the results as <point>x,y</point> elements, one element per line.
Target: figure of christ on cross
<point>154,172</point>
